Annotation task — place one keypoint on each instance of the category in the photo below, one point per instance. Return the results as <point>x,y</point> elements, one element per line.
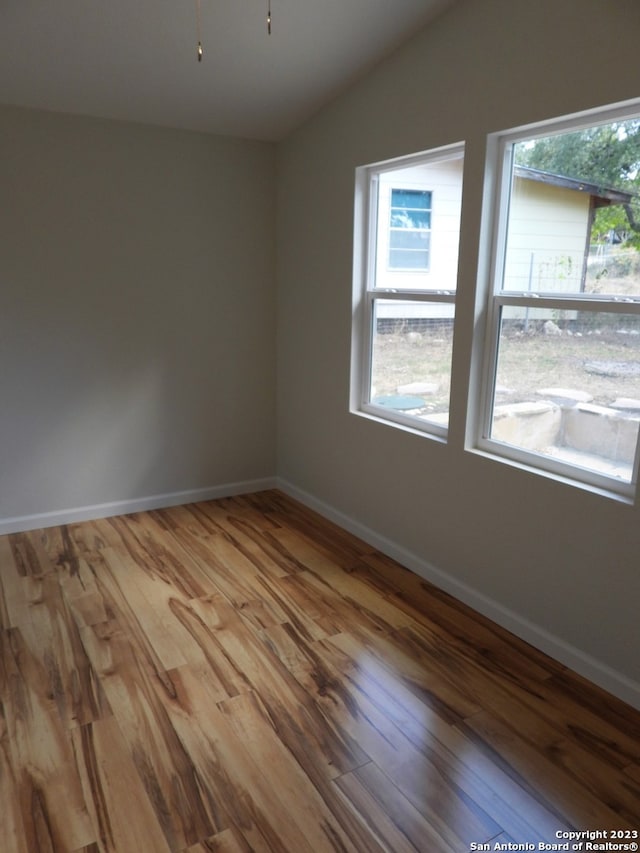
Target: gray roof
<point>602,195</point>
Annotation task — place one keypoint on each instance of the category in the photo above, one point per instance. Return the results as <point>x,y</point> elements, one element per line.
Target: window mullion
<point>414,295</point>
<point>489,368</point>
<point>570,303</point>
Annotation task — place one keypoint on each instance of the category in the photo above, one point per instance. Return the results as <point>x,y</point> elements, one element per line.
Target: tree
<point>606,155</point>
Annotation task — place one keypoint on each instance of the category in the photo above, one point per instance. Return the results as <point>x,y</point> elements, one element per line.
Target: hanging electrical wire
<point>199,26</point>
<point>199,29</point>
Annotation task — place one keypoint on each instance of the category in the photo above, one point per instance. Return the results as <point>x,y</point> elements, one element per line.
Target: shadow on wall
<point>109,446</point>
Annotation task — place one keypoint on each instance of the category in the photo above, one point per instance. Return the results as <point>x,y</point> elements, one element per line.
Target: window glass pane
<point>409,235</point>
<point>574,214</point>
<point>411,358</point>
<point>418,240</point>
<point>613,269</point>
<point>410,218</point>
<point>408,260</point>
<point>567,386</point>
<point>412,199</point>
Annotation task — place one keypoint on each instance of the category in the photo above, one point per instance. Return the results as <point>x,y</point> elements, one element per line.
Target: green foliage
<point>606,155</point>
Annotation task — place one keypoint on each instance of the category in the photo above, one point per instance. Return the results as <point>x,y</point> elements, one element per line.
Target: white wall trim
<point>105,510</point>
<point>586,665</point>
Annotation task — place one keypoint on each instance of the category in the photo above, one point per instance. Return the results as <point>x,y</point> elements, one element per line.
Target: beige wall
<point>137,350</point>
<point>559,563</point>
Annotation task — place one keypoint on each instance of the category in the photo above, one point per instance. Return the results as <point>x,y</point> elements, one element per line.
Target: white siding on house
<point>443,180</point>
<point>547,239</point>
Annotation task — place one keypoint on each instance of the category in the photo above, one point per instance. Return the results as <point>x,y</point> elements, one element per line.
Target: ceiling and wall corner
<point>138,62</point>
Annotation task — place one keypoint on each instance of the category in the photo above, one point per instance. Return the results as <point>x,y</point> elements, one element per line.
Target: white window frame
<point>499,167</point>
<point>366,292</point>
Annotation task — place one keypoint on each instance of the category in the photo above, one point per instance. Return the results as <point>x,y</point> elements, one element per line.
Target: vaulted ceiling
<point>137,59</point>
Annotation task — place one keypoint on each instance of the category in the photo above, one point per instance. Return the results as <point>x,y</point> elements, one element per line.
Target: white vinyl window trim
<point>499,176</point>
<point>368,292</point>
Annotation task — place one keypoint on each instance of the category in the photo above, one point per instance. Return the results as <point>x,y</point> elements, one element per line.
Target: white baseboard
<point>594,670</point>
<point>105,510</point>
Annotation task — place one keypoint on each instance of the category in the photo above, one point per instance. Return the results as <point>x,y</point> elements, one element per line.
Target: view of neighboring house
<point>418,227</point>
<point>550,224</point>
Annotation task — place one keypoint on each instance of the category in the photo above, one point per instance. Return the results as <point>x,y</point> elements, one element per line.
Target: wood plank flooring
<point>241,675</point>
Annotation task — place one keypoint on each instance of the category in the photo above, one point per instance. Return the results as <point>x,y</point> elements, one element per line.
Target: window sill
<point>413,424</point>
<point>594,483</point>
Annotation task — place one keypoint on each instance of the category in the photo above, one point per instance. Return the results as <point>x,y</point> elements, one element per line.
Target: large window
<point>555,385</point>
<point>561,389</point>
<point>407,232</point>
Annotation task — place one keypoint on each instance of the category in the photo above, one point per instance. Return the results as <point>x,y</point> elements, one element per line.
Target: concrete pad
<point>565,396</point>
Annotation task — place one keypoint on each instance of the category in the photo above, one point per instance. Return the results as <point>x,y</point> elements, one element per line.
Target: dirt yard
<point>599,361</point>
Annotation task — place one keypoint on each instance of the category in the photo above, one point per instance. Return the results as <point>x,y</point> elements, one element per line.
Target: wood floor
<point>241,675</point>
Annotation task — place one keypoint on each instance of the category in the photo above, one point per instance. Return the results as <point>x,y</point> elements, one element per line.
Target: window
<point>561,389</point>
<point>409,229</point>
<point>407,232</point>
